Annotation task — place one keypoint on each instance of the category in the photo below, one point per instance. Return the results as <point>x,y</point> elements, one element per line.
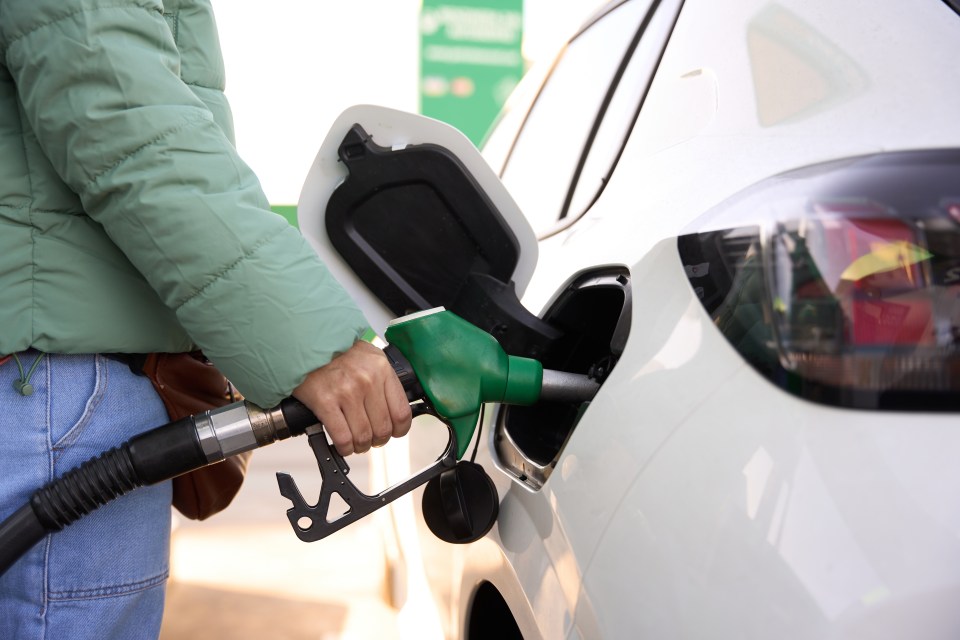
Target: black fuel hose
<point>154,456</point>
<point>160,454</point>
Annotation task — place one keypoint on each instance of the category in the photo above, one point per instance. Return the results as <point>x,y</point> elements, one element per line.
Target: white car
<point>743,218</point>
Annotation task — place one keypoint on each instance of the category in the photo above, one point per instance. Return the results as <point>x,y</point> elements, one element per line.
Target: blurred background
<point>292,67</point>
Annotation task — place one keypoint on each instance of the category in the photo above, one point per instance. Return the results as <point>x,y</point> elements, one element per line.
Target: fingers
<point>398,407</point>
<point>358,398</point>
<point>336,427</point>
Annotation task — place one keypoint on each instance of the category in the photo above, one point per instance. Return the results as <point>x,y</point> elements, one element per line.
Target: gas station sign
<point>470,60</point>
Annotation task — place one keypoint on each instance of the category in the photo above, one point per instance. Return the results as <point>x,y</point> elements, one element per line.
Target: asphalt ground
<point>243,574</point>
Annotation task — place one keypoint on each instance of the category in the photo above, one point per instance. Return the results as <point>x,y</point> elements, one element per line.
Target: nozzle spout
<point>561,386</point>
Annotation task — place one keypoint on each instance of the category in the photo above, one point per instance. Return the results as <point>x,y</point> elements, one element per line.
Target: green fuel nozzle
<point>449,368</point>
<point>460,367</point>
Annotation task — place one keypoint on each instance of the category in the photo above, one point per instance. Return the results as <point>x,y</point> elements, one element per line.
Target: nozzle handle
<point>315,522</point>
<point>299,418</point>
<point>404,371</point>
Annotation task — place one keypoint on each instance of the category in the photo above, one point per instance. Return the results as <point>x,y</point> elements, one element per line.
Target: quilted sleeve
<point>99,83</point>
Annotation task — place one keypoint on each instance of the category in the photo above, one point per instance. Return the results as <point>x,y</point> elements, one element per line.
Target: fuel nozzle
<point>460,367</point>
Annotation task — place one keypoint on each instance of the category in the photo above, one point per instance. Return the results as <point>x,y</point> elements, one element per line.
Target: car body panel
<point>682,374</point>
<point>484,562</point>
<point>634,413</point>
<point>789,502</point>
<point>829,523</point>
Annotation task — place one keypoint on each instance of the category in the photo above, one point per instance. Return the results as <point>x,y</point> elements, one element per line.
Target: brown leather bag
<point>188,383</point>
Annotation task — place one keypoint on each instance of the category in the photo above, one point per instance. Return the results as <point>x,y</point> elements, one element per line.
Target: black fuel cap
<point>461,504</point>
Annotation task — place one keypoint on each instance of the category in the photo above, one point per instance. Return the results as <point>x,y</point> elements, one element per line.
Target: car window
<point>548,149</point>
<point>499,141</point>
<point>615,124</point>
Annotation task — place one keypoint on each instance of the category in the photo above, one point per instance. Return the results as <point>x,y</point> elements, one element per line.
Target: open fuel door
<point>408,216</point>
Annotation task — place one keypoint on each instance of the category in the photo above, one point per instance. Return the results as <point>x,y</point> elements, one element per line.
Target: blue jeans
<point>103,576</point>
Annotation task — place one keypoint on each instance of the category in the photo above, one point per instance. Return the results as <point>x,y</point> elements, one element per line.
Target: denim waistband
<point>133,360</point>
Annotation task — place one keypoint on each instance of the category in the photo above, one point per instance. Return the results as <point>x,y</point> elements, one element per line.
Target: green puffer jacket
<point>128,223</point>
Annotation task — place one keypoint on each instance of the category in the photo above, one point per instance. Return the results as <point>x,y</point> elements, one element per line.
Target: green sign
<point>288,211</point>
<point>470,60</point>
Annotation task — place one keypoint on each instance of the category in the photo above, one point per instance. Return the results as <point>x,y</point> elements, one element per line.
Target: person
<point>130,225</point>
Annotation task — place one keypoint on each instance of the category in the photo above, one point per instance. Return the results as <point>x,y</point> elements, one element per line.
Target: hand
<point>358,398</point>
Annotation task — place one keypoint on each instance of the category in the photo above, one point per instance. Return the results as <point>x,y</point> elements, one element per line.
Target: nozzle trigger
<point>314,522</point>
